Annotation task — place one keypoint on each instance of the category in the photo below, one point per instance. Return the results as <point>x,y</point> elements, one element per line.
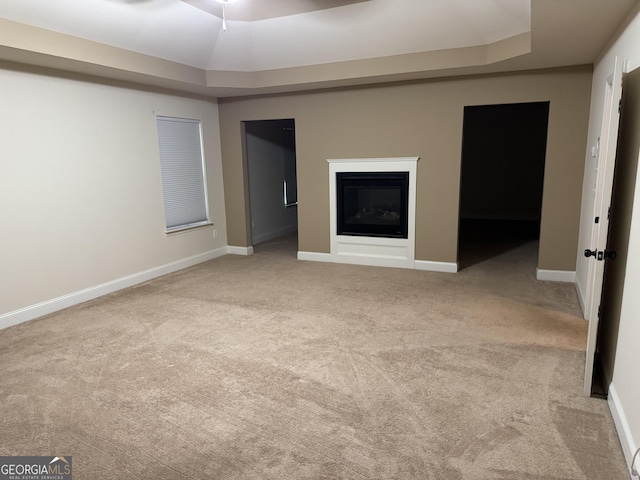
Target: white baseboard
<point>44,308</point>
<point>239,250</point>
<point>445,267</point>
<point>556,275</point>
<point>315,257</point>
<point>629,447</point>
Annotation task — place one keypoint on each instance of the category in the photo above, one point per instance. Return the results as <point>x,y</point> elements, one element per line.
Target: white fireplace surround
<point>375,251</point>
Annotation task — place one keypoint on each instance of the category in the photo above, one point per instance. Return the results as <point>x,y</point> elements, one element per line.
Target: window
<point>182,164</point>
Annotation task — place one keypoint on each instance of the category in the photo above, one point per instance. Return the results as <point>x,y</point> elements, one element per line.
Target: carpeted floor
<point>265,367</point>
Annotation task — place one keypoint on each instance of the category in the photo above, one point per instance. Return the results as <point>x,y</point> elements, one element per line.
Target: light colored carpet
<point>265,367</point>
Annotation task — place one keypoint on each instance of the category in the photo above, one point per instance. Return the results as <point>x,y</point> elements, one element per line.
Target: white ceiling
<point>269,35</point>
<point>378,28</point>
<point>175,30</point>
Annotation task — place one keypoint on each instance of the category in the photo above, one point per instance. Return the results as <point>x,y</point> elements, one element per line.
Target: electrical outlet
<point>215,233</point>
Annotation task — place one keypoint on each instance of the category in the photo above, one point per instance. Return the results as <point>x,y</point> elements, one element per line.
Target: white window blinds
<point>181,160</point>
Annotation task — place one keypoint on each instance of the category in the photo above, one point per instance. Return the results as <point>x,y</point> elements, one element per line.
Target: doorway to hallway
<point>270,151</point>
<point>501,187</point>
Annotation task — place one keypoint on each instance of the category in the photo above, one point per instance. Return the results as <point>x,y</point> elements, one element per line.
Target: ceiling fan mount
<point>224,12</point>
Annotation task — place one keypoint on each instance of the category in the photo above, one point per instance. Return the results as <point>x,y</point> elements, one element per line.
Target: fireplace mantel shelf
<point>371,160</point>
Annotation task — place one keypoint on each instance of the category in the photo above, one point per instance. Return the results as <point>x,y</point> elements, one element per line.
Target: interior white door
<point>603,191</point>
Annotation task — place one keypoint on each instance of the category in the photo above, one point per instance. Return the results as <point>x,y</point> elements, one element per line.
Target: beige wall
<point>416,119</point>
<point>80,186</point>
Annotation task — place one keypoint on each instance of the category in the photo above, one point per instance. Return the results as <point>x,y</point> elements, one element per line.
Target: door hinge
<point>609,214</point>
<point>619,105</point>
<point>599,311</point>
<point>597,220</point>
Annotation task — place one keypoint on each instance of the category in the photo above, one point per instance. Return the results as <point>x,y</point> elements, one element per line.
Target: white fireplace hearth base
<point>425,265</point>
<point>374,251</point>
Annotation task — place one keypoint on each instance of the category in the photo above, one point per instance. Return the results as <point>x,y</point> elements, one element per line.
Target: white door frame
<point>605,164</point>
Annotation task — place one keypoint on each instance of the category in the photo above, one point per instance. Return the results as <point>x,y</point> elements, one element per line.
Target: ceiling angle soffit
<point>113,62</point>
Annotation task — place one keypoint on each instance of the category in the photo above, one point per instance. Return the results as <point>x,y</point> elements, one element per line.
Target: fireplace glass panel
<point>373,204</point>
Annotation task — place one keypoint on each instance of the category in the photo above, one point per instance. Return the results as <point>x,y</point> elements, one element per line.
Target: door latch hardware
<point>610,254</point>
<point>590,253</point>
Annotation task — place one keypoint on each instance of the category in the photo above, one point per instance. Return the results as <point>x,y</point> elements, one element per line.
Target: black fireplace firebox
<point>373,204</point>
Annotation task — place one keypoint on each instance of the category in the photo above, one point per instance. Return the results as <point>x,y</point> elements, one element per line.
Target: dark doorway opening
<point>503,157</point>
<point>270,153</point>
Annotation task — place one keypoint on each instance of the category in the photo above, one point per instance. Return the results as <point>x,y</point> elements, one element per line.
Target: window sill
<point>187,228</point>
